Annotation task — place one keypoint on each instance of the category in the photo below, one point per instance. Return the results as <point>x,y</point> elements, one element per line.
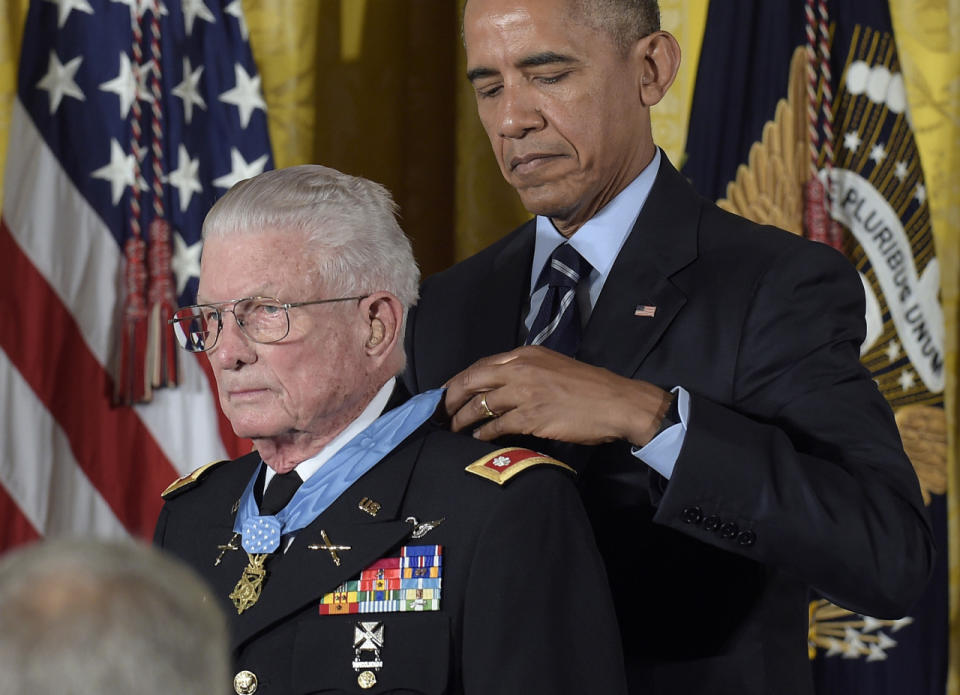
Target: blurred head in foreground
<point>81,617</point>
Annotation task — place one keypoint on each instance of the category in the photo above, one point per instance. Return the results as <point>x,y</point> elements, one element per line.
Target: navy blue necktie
<point>557,325</point>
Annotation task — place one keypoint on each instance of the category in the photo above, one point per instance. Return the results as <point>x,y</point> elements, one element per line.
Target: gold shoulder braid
<point>188,481</point>
<point>502,464</point>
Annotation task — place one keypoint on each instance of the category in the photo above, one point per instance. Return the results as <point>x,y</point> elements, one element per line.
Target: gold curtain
<point>928,42</point>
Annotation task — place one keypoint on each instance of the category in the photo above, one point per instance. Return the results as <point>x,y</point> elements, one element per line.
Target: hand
<point>536,391</point>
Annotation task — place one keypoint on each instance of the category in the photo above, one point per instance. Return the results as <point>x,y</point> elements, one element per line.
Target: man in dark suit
<point>733,452</point>
<point>360,547</point>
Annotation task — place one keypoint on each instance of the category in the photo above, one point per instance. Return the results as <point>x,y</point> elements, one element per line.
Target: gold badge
<point>329,547</point>
<point>369,506</point>
<point>367,679</point>
<point>247,591</point>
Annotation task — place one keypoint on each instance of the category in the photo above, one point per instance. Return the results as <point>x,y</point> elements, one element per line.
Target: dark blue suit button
<point>712,523</point>
<point>747,538</point>
<point>729,530</point>
<point>692,515</point>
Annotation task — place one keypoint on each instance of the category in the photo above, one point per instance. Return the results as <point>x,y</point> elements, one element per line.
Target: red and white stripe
<point>70,462</point>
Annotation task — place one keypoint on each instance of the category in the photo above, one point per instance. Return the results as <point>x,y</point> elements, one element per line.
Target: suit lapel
<point>301,576</point>
<point>494,324</point>
<point>663,240</point>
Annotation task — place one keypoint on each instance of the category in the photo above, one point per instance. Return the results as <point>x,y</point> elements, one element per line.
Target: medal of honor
<point>247,591</point>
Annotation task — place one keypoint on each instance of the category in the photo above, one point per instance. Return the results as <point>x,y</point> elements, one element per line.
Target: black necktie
<point>557,325</point>
<point>279,491</point>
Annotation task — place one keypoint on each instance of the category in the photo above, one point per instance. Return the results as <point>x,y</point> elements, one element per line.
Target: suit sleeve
<point>805,470</point>
<point>539,617</point>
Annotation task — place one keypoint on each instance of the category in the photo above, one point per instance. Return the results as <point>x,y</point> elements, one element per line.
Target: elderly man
<point>86,617</point>
<point>394,561</point>
<point>702,372</point>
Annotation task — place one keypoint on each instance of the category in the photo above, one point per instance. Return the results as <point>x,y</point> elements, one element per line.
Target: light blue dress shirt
<point>599,241</point>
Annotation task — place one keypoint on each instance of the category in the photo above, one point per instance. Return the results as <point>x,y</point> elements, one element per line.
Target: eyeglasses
<point>262,319</point>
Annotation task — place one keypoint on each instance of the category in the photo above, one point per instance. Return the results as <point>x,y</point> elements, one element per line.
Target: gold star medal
<point>247,591</point>
<point>261,536</point>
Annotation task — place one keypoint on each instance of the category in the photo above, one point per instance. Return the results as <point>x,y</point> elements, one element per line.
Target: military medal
<point>367,643</point>
<point>247,591</point>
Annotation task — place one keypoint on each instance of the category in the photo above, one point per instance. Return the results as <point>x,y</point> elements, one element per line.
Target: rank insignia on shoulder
<point>188,481</point>
<point>502,464</point>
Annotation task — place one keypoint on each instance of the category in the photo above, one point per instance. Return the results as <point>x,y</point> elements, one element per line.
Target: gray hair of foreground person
<point>350,223</point>
<point>86,617</point>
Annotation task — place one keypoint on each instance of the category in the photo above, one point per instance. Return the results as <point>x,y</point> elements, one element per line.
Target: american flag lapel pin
<point>645,311</point>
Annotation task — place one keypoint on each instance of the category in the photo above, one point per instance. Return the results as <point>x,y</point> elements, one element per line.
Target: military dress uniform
<point>423,576</point>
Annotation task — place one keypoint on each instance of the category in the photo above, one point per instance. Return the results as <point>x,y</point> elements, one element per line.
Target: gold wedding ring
<point>486,408</point>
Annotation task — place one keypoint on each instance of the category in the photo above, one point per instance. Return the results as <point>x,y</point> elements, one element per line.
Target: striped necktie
<point>557,325</point>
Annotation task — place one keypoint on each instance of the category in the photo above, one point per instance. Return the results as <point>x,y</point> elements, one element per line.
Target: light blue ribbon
<point>261,534</point>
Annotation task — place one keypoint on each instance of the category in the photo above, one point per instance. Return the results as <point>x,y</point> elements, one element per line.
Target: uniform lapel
<point>662,242</point>
<point>219,531</point>
<point>302,576</point>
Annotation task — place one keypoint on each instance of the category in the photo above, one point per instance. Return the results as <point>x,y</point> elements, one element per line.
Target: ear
<point>383,319</point>
<point>659,58</point>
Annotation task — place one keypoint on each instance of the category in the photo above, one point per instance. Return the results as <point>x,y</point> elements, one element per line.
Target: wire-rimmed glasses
<point>262,319</point>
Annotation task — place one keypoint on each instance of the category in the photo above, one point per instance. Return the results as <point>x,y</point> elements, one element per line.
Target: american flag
<point>131,118</point>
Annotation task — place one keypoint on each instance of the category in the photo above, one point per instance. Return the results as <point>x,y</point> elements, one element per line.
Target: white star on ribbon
<point>119,172</point>
<point>235,9</point>
<point>59,81</point>
<point>901,170</point>
<point>193,9</point>
<point>68,6</point>
<point>185,177</point>
<point>893,350</point>
<point>907,379</point>
<point>188,90</point>
<point>921,193</point>
<point>240,169</point>
<point>851,141</point>
<point>245,95</point>
<point>878,153</point>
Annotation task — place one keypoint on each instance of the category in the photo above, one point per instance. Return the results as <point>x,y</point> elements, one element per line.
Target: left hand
<point>536,391</point>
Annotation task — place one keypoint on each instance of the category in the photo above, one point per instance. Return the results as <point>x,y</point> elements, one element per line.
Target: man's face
<point>314,380</point>
<point>560,103</point>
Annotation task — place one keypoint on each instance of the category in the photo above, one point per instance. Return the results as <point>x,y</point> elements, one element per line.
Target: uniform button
<point>712,523</point>
<point>245,683</point>
<point>692,515</point>
<point>367,679</point>
<point>746,538</point>
<point>729,530</point>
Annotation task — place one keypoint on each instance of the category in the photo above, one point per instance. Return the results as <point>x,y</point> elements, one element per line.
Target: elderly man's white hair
<point>350,224</point>
<point>87,617</point>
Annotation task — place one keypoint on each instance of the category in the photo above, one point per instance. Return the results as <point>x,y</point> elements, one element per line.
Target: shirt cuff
<point>661,452</point>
